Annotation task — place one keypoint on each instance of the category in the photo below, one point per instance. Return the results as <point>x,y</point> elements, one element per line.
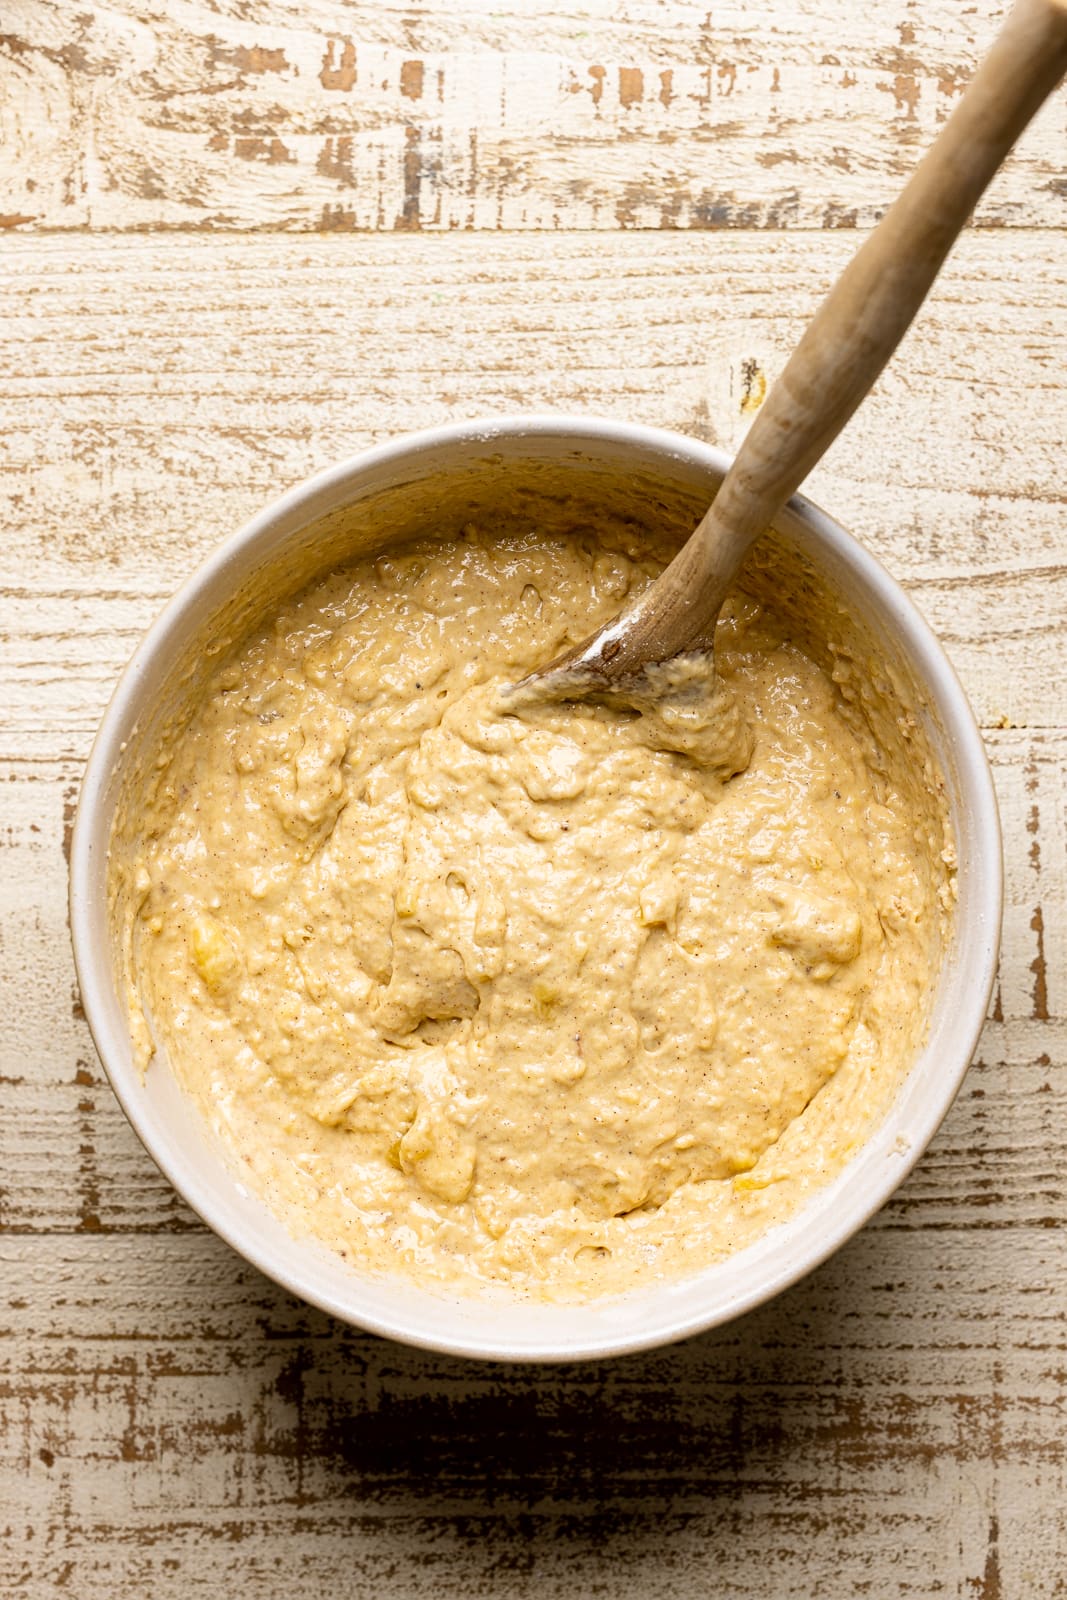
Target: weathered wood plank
<point>326,115</point>
<point>866,1434</point>
<point>133,437</point>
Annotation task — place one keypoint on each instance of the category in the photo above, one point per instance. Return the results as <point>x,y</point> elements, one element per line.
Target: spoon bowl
<point>530,470</point>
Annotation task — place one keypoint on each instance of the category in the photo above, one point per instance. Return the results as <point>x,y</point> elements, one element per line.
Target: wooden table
<point>244,238</point>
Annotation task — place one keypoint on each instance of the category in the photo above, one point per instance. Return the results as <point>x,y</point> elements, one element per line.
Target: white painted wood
<point>203,1431</point>
<point>154,393</point>
<point>346,114</point>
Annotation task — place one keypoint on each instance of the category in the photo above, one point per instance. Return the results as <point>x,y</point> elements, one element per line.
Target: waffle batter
<point>530,998</point>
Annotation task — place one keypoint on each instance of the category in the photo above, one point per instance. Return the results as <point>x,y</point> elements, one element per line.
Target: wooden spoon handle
<point>853,334</point>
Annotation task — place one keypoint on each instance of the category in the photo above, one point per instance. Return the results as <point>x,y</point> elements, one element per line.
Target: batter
<point>534,998</point>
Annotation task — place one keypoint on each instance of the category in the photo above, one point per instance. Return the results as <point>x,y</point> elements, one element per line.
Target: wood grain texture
<point>341,115</point>
<point>172,1424</point>
<point>203,1433</point>
<point>131,439</point>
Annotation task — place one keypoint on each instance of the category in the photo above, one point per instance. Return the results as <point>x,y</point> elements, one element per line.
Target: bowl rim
<point>91,833</point>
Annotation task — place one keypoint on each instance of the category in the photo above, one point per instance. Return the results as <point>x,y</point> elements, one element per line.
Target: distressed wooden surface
<point>337,114</point>
<point>170,1423</point>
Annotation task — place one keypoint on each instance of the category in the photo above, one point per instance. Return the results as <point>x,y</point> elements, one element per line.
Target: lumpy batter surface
<point>523,998</point>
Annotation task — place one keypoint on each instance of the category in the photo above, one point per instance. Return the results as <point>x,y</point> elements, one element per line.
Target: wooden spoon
<point>849,341</point>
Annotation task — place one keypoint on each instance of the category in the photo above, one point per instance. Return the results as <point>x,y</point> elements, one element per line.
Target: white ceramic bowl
<point>344,510</point>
